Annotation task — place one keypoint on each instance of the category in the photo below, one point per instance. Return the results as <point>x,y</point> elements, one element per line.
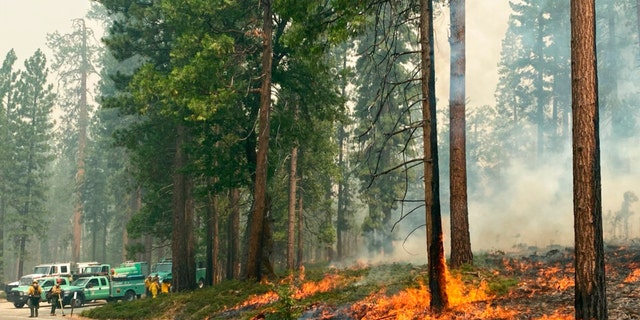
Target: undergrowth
<point>225,300</point>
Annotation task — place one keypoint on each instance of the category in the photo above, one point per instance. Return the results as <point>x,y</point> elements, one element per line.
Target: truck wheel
<point>79,302</point>
<point>129,295</point>
<point>18,305</point>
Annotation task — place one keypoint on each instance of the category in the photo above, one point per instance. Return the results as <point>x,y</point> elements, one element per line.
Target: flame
<point>459,293</point>
<point>258,300</point>
<point>465,302</point>
<point>550,278</point>
<point>634,276</point>
<point>307,289</point>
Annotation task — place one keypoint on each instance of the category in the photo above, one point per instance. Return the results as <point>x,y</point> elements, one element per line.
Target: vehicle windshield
<point>95,269</point>
<point>44,269</point>
<point>81,282</point>
<point>163,267</point>
<point>26,281</point>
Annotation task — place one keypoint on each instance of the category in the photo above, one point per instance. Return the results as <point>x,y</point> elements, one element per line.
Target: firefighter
<point>154,287</point>
<point>56,297</point>
<point>35,293</point>
<point>166,286</point>
<point>147,285</point>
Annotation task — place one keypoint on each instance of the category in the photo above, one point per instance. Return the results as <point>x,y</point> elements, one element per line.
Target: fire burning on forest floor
<point>503,286</point>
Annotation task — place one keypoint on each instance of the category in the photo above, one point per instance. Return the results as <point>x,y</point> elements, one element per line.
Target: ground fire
<point>539,287</point>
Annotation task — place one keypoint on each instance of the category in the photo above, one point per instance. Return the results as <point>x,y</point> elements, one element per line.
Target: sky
<point>24,24</point>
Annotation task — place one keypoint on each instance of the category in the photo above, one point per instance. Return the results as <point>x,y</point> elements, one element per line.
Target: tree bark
<point>213,245</point>
<point>183,241</point>
<point>300,252</point>
<point>291,224</point>
<point>83,122</point>
<point>435,245</point>
<point>460,239</point>
<point>256,227</point>
<point>590,290</point>
<point>233,248</point>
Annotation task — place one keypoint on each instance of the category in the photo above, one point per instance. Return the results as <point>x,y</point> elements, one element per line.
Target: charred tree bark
<point>435,242</point>
<point>590,290</point>
<point>460,239</point>
<point>256,226</point>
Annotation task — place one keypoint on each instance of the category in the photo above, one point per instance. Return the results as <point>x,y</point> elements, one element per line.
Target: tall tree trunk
<point>435,245</point>
<point>256,226</point>
<point>460,239</point>
<point>291,223</point>
<point>300,252</point>
<point>590,290</point>
<point>233,232</point>
<point>342,182</point>
<point>83,122</point>
<point>213,244</point>
<point>182,244</point>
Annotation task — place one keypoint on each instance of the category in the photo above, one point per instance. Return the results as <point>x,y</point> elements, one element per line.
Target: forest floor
<point>531,284</point>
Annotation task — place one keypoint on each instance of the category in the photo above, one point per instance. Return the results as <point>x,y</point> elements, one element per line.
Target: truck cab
<point>19,295</point>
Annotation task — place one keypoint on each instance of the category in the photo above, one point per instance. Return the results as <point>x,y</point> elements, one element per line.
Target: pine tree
<point>32,155</point>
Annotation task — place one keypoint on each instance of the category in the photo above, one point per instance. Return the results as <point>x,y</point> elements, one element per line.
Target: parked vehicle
<point>64,268</point>
<point>163,270</point>
<point>110,288</point>
<point>23,284</point>
<point>19,295</point>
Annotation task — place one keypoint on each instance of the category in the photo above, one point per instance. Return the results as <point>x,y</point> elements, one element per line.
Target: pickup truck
<point>107,288</point>
<point>25,280</point>
<point>18,296</point>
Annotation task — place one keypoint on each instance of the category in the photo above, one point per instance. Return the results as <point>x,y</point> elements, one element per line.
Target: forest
<point>204,132</point>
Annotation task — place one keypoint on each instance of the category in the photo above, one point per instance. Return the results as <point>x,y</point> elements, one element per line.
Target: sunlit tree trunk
<point>83,122</point>
<point>435,245</point>
<point>460,238</point>
<point>590,289</point>
<point>256,225</point>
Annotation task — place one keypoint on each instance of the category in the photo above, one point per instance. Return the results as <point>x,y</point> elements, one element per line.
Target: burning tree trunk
<point>590,294</point>
<point>435,246</point>
<point>460,239</point>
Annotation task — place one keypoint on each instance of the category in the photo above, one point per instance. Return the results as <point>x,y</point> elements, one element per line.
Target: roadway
<point>9,312</point>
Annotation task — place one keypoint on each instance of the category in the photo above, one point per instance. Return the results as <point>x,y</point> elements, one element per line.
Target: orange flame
<point>307,289</point>
<point>634,276</point>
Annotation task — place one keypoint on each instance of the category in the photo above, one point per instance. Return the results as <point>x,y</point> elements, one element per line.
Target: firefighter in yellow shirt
<point>35,293</point>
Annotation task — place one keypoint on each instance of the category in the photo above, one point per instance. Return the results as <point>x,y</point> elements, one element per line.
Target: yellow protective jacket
<point>34,291</point>
<point>56,290</point>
